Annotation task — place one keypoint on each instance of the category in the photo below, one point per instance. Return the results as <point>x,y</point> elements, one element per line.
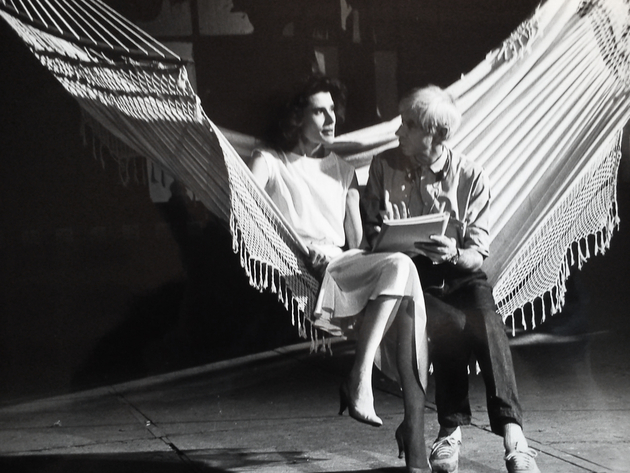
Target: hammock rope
<point>102,28</point>
<point>543,114</point>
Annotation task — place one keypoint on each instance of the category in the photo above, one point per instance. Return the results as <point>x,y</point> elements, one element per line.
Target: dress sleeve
<point>271,161</point>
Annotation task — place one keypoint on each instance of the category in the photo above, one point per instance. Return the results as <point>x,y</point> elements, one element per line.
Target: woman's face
<point>318,124</point>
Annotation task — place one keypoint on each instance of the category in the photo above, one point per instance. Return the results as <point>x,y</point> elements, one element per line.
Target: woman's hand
<point>319,261</point>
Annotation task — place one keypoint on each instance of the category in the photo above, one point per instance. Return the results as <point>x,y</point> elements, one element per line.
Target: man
<point>422,176</point>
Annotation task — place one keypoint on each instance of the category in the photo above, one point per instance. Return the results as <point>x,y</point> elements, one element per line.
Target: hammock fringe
<point>519,42</point>
<point>124,156</point>
<point>265,277</point>
<point>578,249</point>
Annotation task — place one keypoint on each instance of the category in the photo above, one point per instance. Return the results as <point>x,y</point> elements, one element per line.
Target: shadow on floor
<point>209,315</point>
<point>155,462</point>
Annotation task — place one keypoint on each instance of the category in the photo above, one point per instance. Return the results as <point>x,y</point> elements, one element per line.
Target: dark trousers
<point>462,322</point>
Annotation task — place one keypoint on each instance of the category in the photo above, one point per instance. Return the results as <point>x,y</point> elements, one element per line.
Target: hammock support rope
<point>543,114</point>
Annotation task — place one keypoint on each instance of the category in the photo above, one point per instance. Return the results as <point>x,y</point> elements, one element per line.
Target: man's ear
<point>440,135</point>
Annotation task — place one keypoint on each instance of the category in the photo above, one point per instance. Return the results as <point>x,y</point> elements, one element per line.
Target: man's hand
<point>394,211</point>
<point>440,250</point>
<point>397,212</point>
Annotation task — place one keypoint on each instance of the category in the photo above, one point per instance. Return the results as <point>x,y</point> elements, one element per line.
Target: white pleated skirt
<point>354,278</point>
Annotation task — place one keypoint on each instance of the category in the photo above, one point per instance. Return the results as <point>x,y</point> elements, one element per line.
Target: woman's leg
<point>379,314</point>
<point>412,428</point>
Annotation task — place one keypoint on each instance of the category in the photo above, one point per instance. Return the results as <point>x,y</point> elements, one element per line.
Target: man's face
<point>318,125</point>
<point>414,140</point>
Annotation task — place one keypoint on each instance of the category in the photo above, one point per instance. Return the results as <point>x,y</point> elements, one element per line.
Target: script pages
<point>401,235</point>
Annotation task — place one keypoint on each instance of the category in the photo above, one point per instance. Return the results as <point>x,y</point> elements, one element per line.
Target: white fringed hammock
<point>543,114</point>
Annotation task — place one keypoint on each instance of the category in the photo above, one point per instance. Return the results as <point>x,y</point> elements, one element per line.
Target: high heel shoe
<point>412,449</point>
<point>400,440</point>
<point>345,402</point>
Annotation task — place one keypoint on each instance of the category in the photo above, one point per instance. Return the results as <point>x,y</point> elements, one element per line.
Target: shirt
<point>454,181</point>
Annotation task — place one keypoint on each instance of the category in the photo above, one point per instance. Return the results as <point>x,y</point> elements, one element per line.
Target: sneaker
<point>522,462</point>
<point>444,456</point>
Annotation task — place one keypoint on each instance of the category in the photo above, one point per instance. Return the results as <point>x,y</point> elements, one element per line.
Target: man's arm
<point>352,221</point>
<point>445,250</point>
<point>371,202</point>
<point>470,256</point>
<point>376,205</point>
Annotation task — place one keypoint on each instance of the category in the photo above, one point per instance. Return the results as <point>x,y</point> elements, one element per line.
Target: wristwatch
<point>455,258</point>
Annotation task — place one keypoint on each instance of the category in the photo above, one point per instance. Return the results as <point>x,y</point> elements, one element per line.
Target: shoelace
<point>522,460</point>
<point>444,448</point>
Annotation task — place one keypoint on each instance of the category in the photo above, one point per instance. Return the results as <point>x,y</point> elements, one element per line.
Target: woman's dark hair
<point>286,132</point>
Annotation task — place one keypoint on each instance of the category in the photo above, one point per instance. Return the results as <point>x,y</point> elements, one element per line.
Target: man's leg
<point>449,354</point>
<point>491,348</point>
<point>486,331</point>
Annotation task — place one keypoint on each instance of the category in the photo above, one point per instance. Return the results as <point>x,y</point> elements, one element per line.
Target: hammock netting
<point>543,114</point>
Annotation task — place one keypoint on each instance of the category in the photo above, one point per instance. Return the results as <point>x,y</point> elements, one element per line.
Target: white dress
<point>311,194</point>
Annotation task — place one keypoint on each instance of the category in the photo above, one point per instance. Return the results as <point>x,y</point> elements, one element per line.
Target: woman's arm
<point>259,168</point>
<point>258,165</point>
<point>352,223</point>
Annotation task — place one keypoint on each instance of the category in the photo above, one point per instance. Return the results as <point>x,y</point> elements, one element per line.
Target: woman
<point>375,296</point>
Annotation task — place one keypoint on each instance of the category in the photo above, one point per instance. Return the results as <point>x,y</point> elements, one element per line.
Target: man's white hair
<point>433,109</point>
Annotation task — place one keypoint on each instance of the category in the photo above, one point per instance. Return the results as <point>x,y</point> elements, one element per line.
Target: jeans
<point>462,322</point>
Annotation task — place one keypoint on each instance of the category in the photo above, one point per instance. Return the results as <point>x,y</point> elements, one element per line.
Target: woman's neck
<point>312,150</point>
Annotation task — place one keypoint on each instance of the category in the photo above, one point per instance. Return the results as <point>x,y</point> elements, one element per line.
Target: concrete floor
<point>277,412</point>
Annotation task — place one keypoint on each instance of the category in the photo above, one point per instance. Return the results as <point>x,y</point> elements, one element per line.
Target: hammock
<point>543,114</point>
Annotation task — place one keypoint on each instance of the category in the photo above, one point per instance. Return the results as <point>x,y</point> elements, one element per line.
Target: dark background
<point>98,283</point>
